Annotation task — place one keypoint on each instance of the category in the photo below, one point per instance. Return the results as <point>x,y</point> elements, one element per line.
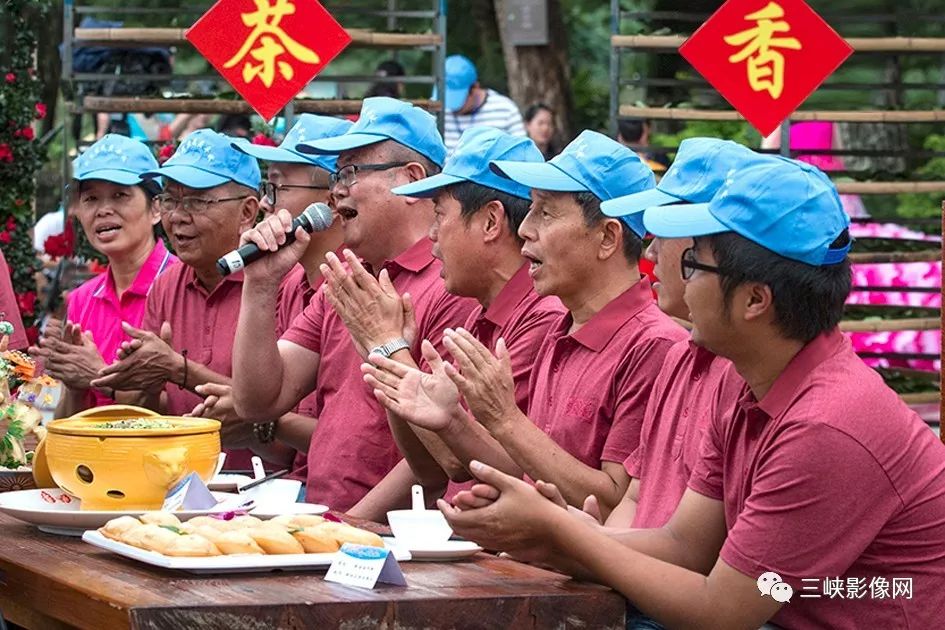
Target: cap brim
<point>188,176</point>
<point>116,176</point>
<point>682,220</point>
<point>455,98</point>
<point>427,187</point>
<point>338,144</point>
<point>271,154</point>
<point>637,202</point>
<point>538,175</point>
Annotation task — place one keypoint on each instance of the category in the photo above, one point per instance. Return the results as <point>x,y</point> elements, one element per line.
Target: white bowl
<point>419,527</point>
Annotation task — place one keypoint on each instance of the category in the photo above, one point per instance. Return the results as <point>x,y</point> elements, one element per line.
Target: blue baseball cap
<point>591,163</point>
<point>699,170</point>
<point>206,159</point>
<point>384,118</point>
<point>117,159</point>
<point>786,206</point>
<point>469,161</point>
<point>308,127</point>
<point>460,76</point>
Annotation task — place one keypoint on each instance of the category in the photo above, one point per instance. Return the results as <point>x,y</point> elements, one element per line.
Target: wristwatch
<point>389,348</point>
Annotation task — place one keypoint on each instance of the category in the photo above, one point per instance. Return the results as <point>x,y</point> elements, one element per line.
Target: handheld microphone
<point>315,218</point>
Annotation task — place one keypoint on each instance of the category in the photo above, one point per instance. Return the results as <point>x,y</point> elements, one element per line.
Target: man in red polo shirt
<point>476,217</point>
<point>210,197</point>
<point>820,476</point>
<point>594,370</point>
<point>351,448</point>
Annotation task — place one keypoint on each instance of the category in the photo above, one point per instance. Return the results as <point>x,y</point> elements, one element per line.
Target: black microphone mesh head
<point>319,216</point>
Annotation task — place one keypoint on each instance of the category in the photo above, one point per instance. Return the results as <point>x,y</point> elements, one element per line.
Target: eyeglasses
<point>168,204</point>
<point>347,175</point>
<point>688,264</point>
<point>268,190</point>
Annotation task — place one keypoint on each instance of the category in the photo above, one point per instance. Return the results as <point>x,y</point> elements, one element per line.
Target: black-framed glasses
<point>269,190</point>
<point>688,265</point>
<point>347,175</point>
<point>168,204</point>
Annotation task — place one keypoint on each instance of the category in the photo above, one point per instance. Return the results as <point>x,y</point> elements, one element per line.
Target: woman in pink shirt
<point>113,204</point>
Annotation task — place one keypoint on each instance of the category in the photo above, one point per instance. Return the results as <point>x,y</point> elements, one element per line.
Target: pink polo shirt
<point>831,476</point>
<point>352,447</point>
<point>693,386</point>
<point>202,323</point>
<point>523,318</point>
<point>590,388</point>
<point>295,293</point>
<point>97,308</point>
<point>9,309</point>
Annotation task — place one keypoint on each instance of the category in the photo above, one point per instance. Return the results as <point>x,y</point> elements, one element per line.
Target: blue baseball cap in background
<point>469,161</point>
<point>699,170</point>
<point>308,127</point>
<point>384,118</point>
<point>591,163</point>
<point>206,159</point>
<point>786,206</point>
<point>117,159</point>
<point>460,76</point>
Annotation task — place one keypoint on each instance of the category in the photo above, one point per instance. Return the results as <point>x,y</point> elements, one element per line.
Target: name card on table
<point>359,565</point>
<point>190,493</point>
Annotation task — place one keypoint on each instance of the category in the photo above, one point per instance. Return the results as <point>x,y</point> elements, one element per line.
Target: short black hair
<point>534,108</point>
<point>590,208</point>
<point>472,197</point>
<point>808,300</point>
<point>631,129</point>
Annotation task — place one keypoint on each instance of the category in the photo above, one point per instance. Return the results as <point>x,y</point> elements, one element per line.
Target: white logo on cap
<point>580,149</point>
<point>729,180</point>
<point>199,146</point>
<point>108,149</point>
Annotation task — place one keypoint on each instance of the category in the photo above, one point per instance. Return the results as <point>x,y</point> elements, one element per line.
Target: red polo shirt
<point>523,318</point>
<point>204,324</point>
<point>295,293</point>
<point>831,476</point>
<point>352,447</point>
<point>9,309</point>
<point>590,388</point>
<point>98,308</point>
<point>691,388</point>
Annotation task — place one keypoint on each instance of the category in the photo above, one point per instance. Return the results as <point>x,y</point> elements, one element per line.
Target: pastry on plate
<point>275,541</point>
<point>160,518</point>
<point>117,527</point>
<point>237,542</point>
<point>192,545</point>
<point>316,540</point>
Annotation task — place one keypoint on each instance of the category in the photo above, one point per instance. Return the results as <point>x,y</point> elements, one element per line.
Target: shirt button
<point>685,412</point>
<point>696,377</point>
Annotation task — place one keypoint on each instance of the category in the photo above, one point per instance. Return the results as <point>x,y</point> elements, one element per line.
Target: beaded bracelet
<point>265,432</point>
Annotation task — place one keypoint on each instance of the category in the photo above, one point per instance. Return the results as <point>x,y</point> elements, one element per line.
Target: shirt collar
<point>601,328</point>
<point>515,290</point>
<point>798,370</point>
<point>156,262</point>
<point>190,279</point>
<point>701,358</point>
<point>414,259</point>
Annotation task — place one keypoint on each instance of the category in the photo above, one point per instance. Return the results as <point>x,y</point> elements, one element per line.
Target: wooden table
<point>49,581</point>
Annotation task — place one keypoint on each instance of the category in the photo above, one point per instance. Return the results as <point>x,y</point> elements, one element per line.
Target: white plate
<point>267,510</point>
<point>449,550</point>
<point>57,512</point>
<point>228,482</point>
<point>223,564</point>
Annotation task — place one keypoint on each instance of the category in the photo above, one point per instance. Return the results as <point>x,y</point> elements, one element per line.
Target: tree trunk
<point>541,73</point>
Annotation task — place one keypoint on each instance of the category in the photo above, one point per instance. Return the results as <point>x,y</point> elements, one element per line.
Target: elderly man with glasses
<point>351,447</point>
<point>210,197</point>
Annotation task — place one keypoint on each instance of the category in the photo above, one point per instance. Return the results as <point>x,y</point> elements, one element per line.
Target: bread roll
<point>244,521</point>
<point>275,541</point>
<point>151,537</point>
<point>345,533</point>
<point>305,520</point>
<point>216,523</point>
<point>192,545</point>
<point>117,527</point>
<point>237,542</point>
<point>316,540</point>
<point>160,518</point>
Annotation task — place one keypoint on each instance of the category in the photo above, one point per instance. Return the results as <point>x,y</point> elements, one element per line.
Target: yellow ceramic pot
<point>127,458</point>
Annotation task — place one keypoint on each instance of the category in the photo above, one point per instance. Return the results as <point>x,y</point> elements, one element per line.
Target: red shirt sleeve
<point>306,329</point>
<point>445,311</point>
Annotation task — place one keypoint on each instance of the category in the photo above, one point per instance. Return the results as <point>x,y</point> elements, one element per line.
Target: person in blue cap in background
<point>113,203</point>
<point>593,373</point>
<point>469,104</point>
<point>476,218</point>
<point>819,472</point>
<point>186,340</point>
<point>351,448</point>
